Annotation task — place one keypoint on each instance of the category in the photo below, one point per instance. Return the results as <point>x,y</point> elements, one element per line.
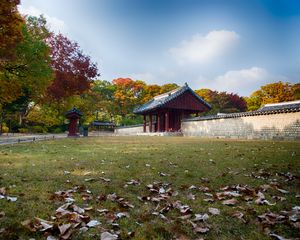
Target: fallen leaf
<point>239,215</point>
<point>64,230</point>
<point>214,211</point>
<point>93,223</point>
<point>108,236</point>
<point>11,199</point>
<point>201,217</point>
<point>276,236</point>
<point>230,202</point>
<point>201,229</point>
<point>191,196</point>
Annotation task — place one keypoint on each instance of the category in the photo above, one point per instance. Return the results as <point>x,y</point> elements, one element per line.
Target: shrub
<point>57,130</point>
<point>23,130</point>
<point>5,129</point>
<point>39,129</point>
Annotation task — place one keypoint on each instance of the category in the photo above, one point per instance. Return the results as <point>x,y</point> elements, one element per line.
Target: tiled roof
<point>160,100</point>
<point>274,108</point>
<point>74,110</point>
<point>105,124</point>
<point>280,106</point>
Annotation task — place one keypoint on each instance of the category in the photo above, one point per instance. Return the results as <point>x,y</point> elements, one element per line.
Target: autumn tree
<point>222,101</point>
<point>128,94</point>
<point>168,87</point>
<point>150,91</point>
<point>74,71</point>
<point>10,30</point>
<point>272,93</point>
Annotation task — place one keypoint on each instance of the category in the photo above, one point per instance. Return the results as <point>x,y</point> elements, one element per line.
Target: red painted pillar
<point>73,127</point>
<point>167,121</point>
<point>158,122</point>
<point>145,122</point>
<point>150,122</point>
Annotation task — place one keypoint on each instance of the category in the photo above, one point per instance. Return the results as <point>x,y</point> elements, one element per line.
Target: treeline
<point>43,74</point>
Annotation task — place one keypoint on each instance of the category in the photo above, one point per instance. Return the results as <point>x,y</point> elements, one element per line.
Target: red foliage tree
<point>74,71</point>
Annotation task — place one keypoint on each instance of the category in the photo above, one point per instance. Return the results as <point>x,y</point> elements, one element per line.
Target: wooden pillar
<point>158,122</point>
<point>150,122</point>
<point>144,127</point>
<point>167,121</point>
<point>73,127</point>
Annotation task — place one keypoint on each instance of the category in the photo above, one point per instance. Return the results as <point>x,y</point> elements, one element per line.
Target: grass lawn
<point>186,177</point>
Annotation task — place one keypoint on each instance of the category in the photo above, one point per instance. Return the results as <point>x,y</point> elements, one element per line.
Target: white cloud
<point>55,24</point>
<point>148,77</point>
<point>203,49</point>
<point>243,81</point>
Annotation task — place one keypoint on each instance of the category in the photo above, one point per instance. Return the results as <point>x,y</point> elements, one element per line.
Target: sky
<point>233,45</point>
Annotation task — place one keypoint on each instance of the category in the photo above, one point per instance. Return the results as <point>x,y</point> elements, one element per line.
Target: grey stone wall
<point>130,130</point>
<point>271,126</point>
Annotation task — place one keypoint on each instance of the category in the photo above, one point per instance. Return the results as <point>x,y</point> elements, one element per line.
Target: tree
<point>27,76</point>
<point>168,87</point>
<point>272,93</point>
<point>222,101</point>
<point>74,71</point>
<point>128,94</point>
<point>150,91</point>
<point>10,29</point>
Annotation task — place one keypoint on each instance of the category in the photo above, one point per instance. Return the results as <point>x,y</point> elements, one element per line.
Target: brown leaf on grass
<point>214,211</point>
<point>279,198</point>
<point>271,218</point>
<point>192,187</point>
<point>201,229</point>
<point>88,208</point>
<point>89,179</point>
<point>204,228</point>
<point>50,237</point>
<point>3,191</point>
<point>105,179</point>
<point>102,211</point>
<point>122,215</point>
<point>133,182</point>
<point>191,196</point>
<point>230,202</point>
<point>93,223</point>
<point>276,236</point>
<point>65,230</point>
<point>201,217</point>
<point>37,224</point>
<point>261,200</point>
<point>208,200</point>
<point>184,209</point>
<point>282,190</point>
<point>108,236</point>
<point>203,189</point>
<point>205,180</point>
<point>2,214</point>
<point>121,201</point>
<point>78,209</point>
<point>239,215</point>
<point>29,225</point>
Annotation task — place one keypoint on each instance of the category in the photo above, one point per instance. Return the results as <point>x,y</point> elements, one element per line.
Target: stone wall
<point>271,126</point>
<point>129,130</point>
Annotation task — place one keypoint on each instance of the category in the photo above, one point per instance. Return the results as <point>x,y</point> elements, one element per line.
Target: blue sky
<point>232,45</point>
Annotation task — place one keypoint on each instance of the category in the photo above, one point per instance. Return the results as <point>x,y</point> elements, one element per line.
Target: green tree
<point>30,73</point>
